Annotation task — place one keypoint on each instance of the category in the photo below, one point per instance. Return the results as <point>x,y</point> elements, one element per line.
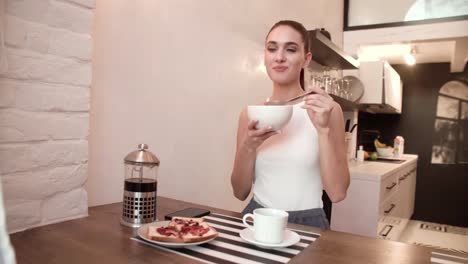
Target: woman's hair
<point>305,37</point>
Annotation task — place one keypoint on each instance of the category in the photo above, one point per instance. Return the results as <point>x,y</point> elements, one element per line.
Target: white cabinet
<point>406,189</point>
<point>382,87</point>
<point>379,206</point>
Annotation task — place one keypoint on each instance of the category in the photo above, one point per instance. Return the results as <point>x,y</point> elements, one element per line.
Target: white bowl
<point>276,116</point>
<point>385,152</point>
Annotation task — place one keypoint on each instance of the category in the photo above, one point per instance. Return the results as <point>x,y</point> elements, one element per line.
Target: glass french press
<point>140,187</point>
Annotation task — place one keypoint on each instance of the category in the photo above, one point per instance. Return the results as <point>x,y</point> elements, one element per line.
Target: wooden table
<point>100,238</point>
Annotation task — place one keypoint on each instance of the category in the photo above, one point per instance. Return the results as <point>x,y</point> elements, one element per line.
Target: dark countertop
<point>100,238</point>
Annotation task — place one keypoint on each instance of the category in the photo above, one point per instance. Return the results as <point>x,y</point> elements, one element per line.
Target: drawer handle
<point>404,177</point>
<point>387,228</point>
<point>391,186</point>
<point>390,209</point>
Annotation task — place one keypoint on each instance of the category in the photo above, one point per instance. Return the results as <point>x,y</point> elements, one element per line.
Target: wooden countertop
<point>100,238</point>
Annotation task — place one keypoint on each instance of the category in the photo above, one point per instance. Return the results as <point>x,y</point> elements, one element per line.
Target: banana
<point>379,144</point>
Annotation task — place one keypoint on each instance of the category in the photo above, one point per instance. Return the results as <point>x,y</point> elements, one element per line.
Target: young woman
<point>289,170</point>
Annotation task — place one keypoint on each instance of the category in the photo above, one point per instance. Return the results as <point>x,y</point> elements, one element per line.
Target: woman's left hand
<point>319,106</point>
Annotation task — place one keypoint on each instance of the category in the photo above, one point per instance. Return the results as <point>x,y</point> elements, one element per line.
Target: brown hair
<point>305,37</point>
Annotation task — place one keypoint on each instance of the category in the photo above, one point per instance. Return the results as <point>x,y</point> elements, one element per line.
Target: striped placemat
<point>444,258</point>
<point>229,248</point>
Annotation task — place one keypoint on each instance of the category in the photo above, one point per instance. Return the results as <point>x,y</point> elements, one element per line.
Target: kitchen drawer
<point>403,176</point>
<point>389,207</point>
<point>388,187</point>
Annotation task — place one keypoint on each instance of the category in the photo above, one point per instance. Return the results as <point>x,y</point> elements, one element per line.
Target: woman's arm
<point>327,117</point>
<point>333,161</point>
<point>248,140</point>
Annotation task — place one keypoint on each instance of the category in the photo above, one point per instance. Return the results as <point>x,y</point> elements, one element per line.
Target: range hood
<point>384,89</point>
<point>326,53</point>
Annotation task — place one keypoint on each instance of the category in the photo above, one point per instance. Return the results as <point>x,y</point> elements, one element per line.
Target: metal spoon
<point>279,102</point>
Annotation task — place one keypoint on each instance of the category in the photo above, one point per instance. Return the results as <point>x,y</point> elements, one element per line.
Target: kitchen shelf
<point>346,105</point>
<point>328,54</point>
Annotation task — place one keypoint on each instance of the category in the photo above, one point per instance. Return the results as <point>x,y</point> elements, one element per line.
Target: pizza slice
<point>165,234</point>
<point>180,222</point>
<point>197,233</point>
<point>183,230</point>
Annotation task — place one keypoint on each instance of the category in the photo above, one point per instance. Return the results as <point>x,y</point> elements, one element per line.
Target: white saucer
<point>290,238</point>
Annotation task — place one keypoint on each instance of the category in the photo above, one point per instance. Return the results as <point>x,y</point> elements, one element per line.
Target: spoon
<point>279,102</point>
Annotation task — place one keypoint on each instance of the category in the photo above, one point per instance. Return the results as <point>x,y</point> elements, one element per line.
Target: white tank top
<point>287,168</point>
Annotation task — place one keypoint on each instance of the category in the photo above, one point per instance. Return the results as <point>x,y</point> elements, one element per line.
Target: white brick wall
<point>53,13</point>
<point>44,110</point>
<point>44,39</point>
<point>28,65</point>
<point>45,97</point>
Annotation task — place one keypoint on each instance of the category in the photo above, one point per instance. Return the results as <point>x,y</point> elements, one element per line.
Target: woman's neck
<point>283,92</point>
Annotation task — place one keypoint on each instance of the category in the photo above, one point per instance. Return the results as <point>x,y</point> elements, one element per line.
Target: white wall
<point>404,34</point>
<point>44,104</point>
<point>365,12</point>
<point>454,30</point>
<point>175,75</point>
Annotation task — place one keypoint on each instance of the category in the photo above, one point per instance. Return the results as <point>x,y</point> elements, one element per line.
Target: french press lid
<point>142,156</point>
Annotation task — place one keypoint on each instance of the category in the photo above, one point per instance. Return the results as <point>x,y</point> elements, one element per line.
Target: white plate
<point>290,238</point>
<point>143,233</point>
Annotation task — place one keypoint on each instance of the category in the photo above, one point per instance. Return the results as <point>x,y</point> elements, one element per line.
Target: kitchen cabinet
<point>407,186</point>
<point>383,87</point>
<point>380,199</point>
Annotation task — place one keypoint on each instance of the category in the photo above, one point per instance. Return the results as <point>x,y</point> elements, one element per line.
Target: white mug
<point>269,224</point>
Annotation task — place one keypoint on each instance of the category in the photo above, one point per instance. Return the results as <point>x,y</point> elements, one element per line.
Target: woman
<point>289,169</point>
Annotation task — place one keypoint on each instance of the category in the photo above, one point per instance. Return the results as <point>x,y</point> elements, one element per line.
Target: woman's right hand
<point>255,137</point>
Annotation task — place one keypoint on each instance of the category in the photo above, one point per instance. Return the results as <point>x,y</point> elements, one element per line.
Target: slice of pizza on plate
<point>183,230</point>
<point>180,222</point>
<point>165,234</point>
<point>197,233</point>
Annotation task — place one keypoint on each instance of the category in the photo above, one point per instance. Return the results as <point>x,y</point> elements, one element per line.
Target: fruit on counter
<point>366,155</point>
<point>385,152</point>
<point>374,156</point>
<point>379,144</point>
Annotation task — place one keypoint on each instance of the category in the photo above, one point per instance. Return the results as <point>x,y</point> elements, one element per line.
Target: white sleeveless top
<point>287,168</point>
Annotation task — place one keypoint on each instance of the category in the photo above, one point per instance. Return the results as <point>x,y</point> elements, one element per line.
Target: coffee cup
<point>269,224</point>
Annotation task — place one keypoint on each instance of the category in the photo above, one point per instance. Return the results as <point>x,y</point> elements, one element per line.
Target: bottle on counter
<point>360,154</point>
<point>398,146</point>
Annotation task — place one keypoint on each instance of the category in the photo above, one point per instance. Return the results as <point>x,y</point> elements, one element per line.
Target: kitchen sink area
<point>389,160</point>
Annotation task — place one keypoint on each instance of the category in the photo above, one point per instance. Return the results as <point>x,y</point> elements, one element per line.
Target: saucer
<point>290,238</point>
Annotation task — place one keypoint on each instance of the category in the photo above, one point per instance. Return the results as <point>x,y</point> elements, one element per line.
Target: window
<point>450,143</point>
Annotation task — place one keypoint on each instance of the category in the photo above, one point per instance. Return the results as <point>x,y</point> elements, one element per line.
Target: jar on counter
<point>398,146</point>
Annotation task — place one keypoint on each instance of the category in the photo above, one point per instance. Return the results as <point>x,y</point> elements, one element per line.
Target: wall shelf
<point>328,54</point>
<point>346,105</point>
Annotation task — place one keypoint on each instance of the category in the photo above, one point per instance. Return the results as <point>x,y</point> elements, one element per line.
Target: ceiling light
<point>409,58</point>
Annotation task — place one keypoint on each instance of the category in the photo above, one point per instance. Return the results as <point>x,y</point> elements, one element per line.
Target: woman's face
<point>285,55</point>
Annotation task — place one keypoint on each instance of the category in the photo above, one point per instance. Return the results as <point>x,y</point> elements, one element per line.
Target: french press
<point>140,187</point>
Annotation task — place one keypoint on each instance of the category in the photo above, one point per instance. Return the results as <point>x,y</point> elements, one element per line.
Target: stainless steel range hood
<point>326,53</point>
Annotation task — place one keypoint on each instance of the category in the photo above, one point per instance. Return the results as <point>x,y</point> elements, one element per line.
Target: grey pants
<point>311,217</point>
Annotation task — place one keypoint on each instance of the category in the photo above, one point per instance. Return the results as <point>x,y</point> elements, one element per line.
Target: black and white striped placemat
<point>444,258</point>
<point>229,248</point>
